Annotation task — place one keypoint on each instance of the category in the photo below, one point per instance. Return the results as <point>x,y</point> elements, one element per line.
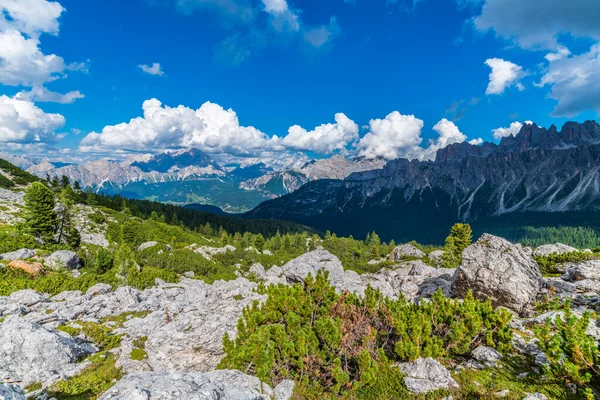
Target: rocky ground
<point>178,328</point>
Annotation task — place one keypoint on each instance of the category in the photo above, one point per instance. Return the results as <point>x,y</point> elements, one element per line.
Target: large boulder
<point>311,263</point>
<point>497,269</point>
<point>426,375</point>
<point>11,392</point>
<point>193,385</point>
<point>33,354</point>
<point>22,254</point>
<point>549,249</point>
<point>62,259</point>
<point>405,251</point>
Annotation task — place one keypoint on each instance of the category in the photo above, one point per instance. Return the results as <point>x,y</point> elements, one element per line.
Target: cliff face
<point>538,170</point>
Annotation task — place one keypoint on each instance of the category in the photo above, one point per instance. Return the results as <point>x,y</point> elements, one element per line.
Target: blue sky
<point>393,69</point>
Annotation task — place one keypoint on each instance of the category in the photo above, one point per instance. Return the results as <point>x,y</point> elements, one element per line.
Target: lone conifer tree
<point>40,218</point>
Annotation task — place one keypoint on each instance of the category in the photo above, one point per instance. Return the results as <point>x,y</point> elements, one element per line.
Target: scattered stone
<point>536,396</point>
<point>207,251</point>
<point>23,254</point>
<point>146,245</point>
<point>11,392</point>
<point>405,251</point>
<point>192,385</point>
<point>497,269</point>
<point>62,259</point>
<point>486,355</point>
<point>437,257</point>
<point>189,274</point>
<point>267,253</point>
<point>27,297</point>
<point>98,289</point>
<point>33,268</point>
<point>502,393</point>
<point>284,391</point>
<point>257,270</point>
<point>425,375</point>
<point>312,262</point>
<point>584,270</point>
<point>557,248</point>
<point>31,353</point>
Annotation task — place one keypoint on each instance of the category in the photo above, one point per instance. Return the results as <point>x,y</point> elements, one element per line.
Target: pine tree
<point>259,242</point>
<point>76,185</point>
<point>64,181</point>
<point>40,218</point>
<point>66,232</point>
<point>463,236</point>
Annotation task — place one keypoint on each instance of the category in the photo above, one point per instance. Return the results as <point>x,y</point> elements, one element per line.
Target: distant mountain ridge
<point>190,176</point>
<point>539,170</point>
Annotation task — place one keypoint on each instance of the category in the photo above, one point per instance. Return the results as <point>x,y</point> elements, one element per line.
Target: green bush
<point>100,376</point>
<point>15,242</point>
<point>97,218</point>
<point>548,264</point>
<point>333,342</point>
<point>574,356</point>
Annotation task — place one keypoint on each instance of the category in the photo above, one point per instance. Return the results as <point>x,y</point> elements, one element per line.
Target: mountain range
<point>539,174</point>
<point>190,176</point>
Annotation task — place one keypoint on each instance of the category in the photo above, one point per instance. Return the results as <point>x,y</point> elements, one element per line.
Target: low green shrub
<point>100,376</point>
<point>548,264</point>
<point>333,342</point>
<point>574,356</point>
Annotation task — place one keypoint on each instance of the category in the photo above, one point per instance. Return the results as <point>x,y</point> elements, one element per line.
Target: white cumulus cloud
<point>399,136</point>
<point>210,128</point>
<point>22,62</point>
<point>31,17</point>
<point>504,75</point>
<point>448,133</point>
<point>513,129</point>
<point>22,122</point>
<point>324,139</point>
<point>154,69</point>
<point>393,137</point>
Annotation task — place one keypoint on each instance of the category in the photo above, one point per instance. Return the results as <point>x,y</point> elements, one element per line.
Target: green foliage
<point>33,387</point>
<point>100,376</point>
<point>19,176</point>
<point>518,380</point>
<point>6,183</point>
<point>138,353</point>
<point>66,231</point>
<point>97,218</point>
<point>16,241</point>
<point>190,218</point>
<point>332,343</point>
<point>40,218</point>
<point>459,239</point>
<point>549,265</point>
<point>52,282</point>
<point>574,356</point>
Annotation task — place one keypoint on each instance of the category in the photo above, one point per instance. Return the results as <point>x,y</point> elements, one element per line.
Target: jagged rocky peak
<point>532,136</point>
<point>166,162</point>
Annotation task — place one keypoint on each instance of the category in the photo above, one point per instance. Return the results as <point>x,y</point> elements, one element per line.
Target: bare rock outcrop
<point>497,269</point>
<point>32,353</point>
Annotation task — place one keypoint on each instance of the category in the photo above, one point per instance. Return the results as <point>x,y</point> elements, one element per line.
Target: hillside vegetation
<point>159,287</point>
